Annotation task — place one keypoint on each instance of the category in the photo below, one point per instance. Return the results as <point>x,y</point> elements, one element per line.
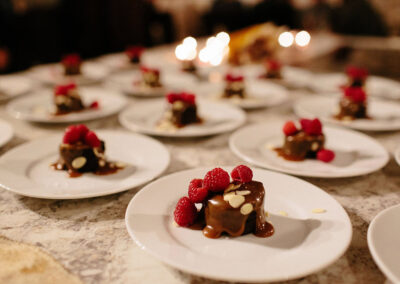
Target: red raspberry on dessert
<point>71,59</point>
<point>64,89</point>
<point>216,180</point>
<point>356,72</point>
<point>92,140</point>
<point>290,128</point>
<point>325,155</point>
<point>197,192</point>
<point>71,135</point>
<point>185,212</point>
<point>273,64</point>
<point>94,105</point>
<point>242,174</point>
<point>82,130</point>
<point>356,94</point>
<point>233,78</point>
<point>184,97</point>
<point>311,127</point>
<point>134,51</point>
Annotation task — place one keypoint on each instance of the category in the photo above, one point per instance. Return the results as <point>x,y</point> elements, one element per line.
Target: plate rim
<point>10,134</point>
<point>176,265</point>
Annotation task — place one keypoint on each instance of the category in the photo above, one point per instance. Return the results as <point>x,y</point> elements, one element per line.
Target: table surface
<point>89,238</point>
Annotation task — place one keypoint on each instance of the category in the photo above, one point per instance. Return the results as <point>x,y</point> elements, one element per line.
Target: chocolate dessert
<point>356,76</point>
<point>235,208</point>
<point>189,66</point>
<point>306,142</point>
<point>134,53</point>
<point>353,104</point>
<point>72,64</point>
<point>67,99</point>
<point>151,77</point>
<point>272,69</point>
<point>82,151</point>
<point>234,86</point>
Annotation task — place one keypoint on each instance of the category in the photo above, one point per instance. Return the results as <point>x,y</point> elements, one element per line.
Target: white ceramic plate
<point>116,61</point>
<point>53,74</point>
<point>376,86</point>
<point>356,153</point>
<point>383,242</point>
<point>6,132</point>
<point>38,107</point>
<point>26,169</point>
<point>217,118</point>
<point>385,115</point>
<point>320,239</point>
<point>260,94</point>
<point>397,155</point>
<point>14,85</point>
<point>171,82</point>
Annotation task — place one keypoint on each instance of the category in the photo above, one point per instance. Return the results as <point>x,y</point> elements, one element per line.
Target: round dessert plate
<point>129,83</point>
<point>301,235</point>
<point>383,242</point>
<point>356,153</point>
<point>385,116</point>
<point>53,74</point>
<point>217,118</point>
<point>6,132</point>
<point>26,170</point>
<point>259,94</point>
<point>116,61</point>
<point>14,85</point>
<point>375,86</point>
<point>397,155</point>
<point>38,107</point>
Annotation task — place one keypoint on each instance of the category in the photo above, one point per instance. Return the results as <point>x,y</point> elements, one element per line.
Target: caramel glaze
<point>221,217</point>
<point>101,171</point>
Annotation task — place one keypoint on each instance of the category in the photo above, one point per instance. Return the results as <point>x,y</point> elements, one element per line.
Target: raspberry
<point>64,89</point>
<point>185,97</point>
<point>94,105</point>
<point>185,212</point>
<point>188,98</point>
<point>311,127</point>
<point>71,135</point>
<point>92,140</point>
<point>356,72</point>
<point>71,59</point>
<point>242,173</point>
<point>273,64</point>
<point>134,51</point>
<point>289,128</point>
<point>197,193</point>
<point>216,180</point>
<point>356,94</point>
<point>325,155</point>
<point>146,69</point>
<point>233,78</point>
<point>82,130</point>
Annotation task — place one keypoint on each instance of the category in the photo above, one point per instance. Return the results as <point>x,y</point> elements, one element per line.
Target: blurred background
<point>41,31</point>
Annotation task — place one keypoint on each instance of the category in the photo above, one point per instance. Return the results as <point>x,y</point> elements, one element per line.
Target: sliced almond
<point>228,196</point>
<point>178,105</point>
<point>236,201</point>
<point>102,163</point>
<point>97,153</point>
<point>314,146</point>
<point>79,162</point>
<point>283,213</point>
<point>120,165</point>
<point>318,210</point>
<point>246,209</point>
<point>232,186</point>
<point>266,214</point>
<point>243,192</point>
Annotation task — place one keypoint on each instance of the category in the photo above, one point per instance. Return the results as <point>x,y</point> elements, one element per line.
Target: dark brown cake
<point>272,69</point>
<point>151,77</point>
<point>353,104</point>
<point>134,53</point>
<point>182,109</point>
<point>234,86</point>
<point>72,64</point>
<point>356,76</point>
<point>66,99</point>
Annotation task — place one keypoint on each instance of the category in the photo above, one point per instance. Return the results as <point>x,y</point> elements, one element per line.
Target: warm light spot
<point>224,38</point>
<point>302,38</point>
<point>286,39</point>
<point>190,42</point>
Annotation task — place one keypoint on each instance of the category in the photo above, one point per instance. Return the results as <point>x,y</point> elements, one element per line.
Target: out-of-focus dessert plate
<point>259,94</point>
<point>319,238</point>
<point>129,83</point>
<point>6,132</point>
<point>397,155</point>
<point>12,86</point>
<point>356,153</point>
<point>375,86</point>
<point>383,242</point>
<point>38,107</point>
<point>384,116</point>
<point>217,118</point>
<point>26,170</point>
<point>53,74</point>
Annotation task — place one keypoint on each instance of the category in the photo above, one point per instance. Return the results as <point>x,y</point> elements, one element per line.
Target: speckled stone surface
<point>89,238</point>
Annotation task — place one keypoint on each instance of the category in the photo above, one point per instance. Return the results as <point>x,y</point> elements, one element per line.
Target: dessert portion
<point>67,99</point>
<point>72,64</point>
<point>189,66</point>
<point>81,151</point>
<point>134,53</point>
<point>181,111</point>
<point>307,141</point>
<point>234,86</point>
<point>356,76</point>
<point>235,208</point>
<point>353,104</point>
<point>272,69</point>
<point>151,77</point>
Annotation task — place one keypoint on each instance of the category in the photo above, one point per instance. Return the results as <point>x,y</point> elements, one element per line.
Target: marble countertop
<point>88,236</point>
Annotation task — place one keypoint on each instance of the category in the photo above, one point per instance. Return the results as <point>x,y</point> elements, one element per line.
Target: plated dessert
<point>353,104</point>
<point>234,86</point>
<point>235,208</point>
<point>67,99</point>
<point>356,76</point>
<point>150,77</point>
<point>272,69</point>
<point>181,111</point>
<point>134,53</point>
<point>306,141</point>
<point>72,64</point>
<point>81,151</point>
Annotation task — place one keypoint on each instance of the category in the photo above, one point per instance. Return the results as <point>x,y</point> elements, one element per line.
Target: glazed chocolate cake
<point>353,104</point>
<point>272,69</point>
<point>134,53</point>
<point>234,86</point>
<point>235,208</point>
<point>151,77</point>
<point>356,76</point>
<point>66,99</point>
<point>306,142</point>
<point>82,151</point>
<point>72,64</point>
<point>189,66</point>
